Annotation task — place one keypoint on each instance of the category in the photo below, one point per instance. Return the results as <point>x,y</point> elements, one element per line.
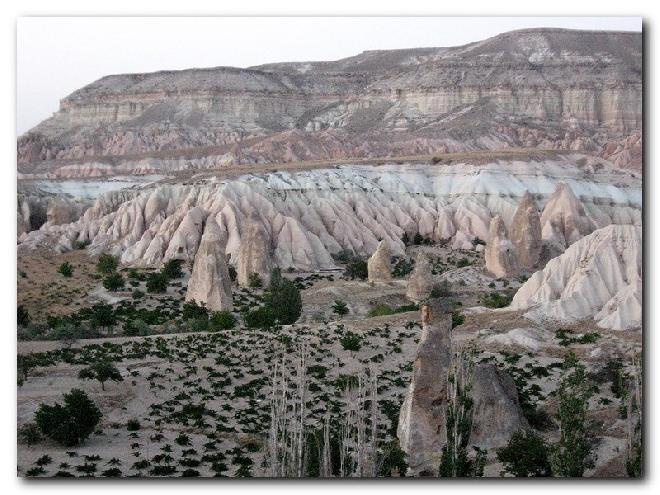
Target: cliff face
<point>541,88</point>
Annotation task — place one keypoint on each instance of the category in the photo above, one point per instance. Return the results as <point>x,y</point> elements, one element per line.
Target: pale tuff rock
<point>254,253</point>
<point>420,283</point>
<point>599,277</point>
<point>186,238</point>
<point>210,283</point>
<point>61,211</point>
<point>310,215</point>
<point>497,414</point>
<point>422,419</point>
<point>525,233</point>
<point>379,265</point>
<point>499,254</point>
<point>564,219</point>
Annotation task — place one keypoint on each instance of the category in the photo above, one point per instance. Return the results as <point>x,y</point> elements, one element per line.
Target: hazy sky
<point>58,55</point>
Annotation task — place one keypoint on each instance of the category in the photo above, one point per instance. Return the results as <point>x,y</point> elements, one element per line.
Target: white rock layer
<point>309,215</point>
<point>599,277</point>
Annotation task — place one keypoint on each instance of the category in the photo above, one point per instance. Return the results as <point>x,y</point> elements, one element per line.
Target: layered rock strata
<point>544,88</point>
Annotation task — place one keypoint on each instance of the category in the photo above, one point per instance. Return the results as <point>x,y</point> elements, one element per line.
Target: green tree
<point>570,455</point>
<point>113,281</point>
<point>172,269</point>
<point>22,316</point>
<point>455,461</point>
<point>356,268</point>
<point>262,317</point>
<point>222,320</point>
<point>340,308</point>
<point>351,341</point>
<point>457,318</point>
<point>254,280</point>
<point>24,364</point>
<point>107,264</point>
<point>101,371</point>
<point>66,269</point>
<point>102,316</point>
<point>283,298</point>
<point>193,311</point>
<point>69,424</point>
<point>157,282</point>
<point>29,434</point>
<point>526,455</point>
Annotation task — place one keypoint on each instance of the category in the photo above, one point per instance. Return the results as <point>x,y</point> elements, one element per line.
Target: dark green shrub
<point>222,320</point>
<point>29,434</point>
<point>113,281</point>
<point>356,268</point>
<point>69,424</point>
<point>495,300</point>
<point>172,269</point>
<point>102,316</point>
<point>157,282</point>
<point>254,280</point>
<point>283,298</point>
<point>107,264</point>
<point>22,316</point>
<point>193,311</point>
<point>526,455</point>
<point>133,424</point>
<point>340,308</point>
<point>66,269</point>
<point>262,317</point>
<point>457,318</point>
<point>351,341</point>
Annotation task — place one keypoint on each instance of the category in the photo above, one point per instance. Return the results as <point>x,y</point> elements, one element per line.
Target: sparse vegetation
<point>66,269</point>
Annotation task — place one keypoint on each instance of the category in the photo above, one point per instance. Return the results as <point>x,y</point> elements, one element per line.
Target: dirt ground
<point>201,399</point>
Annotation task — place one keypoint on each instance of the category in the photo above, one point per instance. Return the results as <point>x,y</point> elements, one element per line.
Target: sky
<point>57,55</point>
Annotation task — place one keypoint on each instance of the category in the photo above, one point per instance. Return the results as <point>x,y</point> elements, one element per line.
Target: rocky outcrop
<point>61,211</point>
<point>420,283</point>
<point>496,414</point>
<point>564,219</point>
<point>310,215</point>
<point>544,88</point>
<point>500,254</point>
<point>599,277</point>
<point>379,265</point>
<point>254,253</point>
<point>209,282</point>
<point>525,233</point>
<point>422,419</point>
